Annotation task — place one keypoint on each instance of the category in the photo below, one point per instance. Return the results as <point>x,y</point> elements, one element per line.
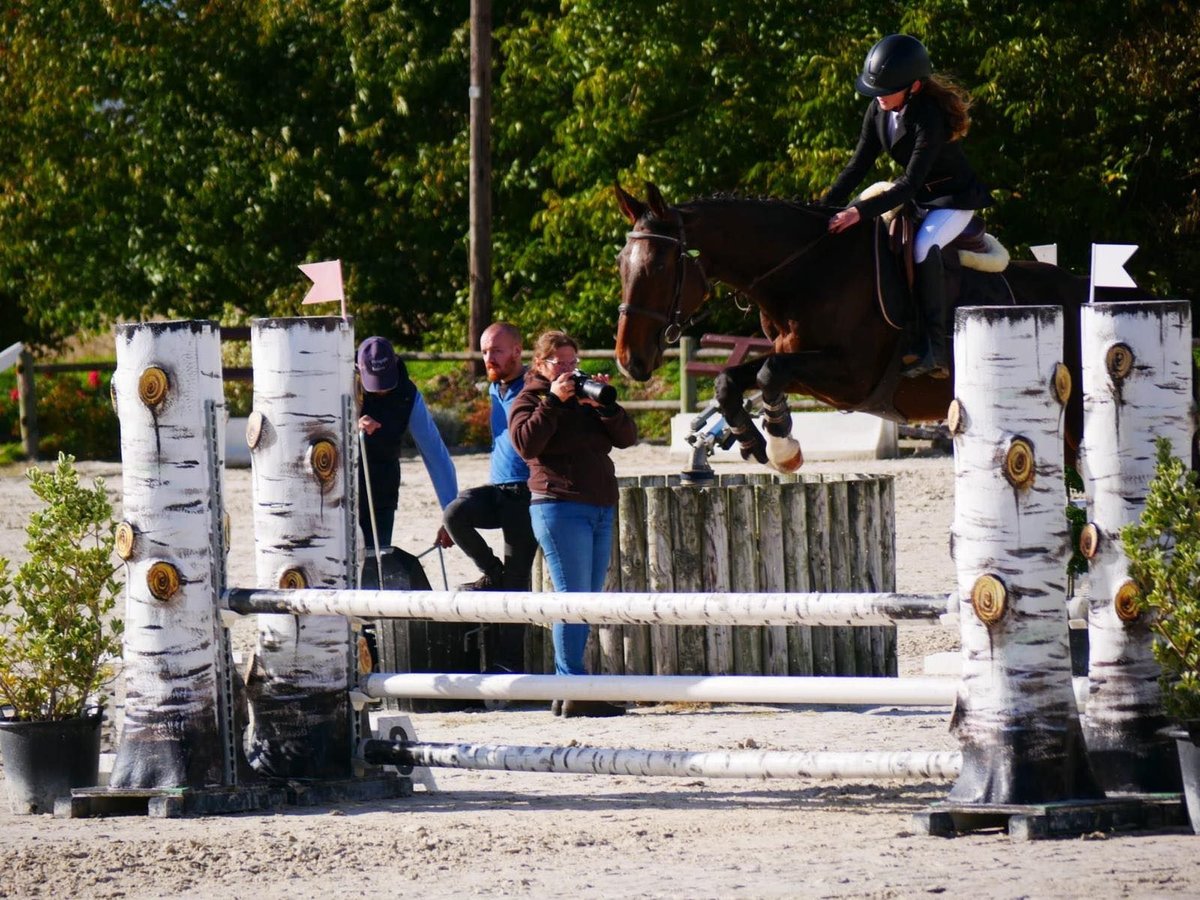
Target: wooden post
<point>479,188</point>
<point>858,504</point>
<point>303,486</point>
<point>796,577</point>
<point>687,381</point>
<point>660,571</point>
<point>819,569</point>
<point>688,526</point>
<point>27,405</point>
<point>1015,715</point>
<point>743,577</point>
<point>1137,387</point>
<point>611,637</point>
<point>772,575</point>
<point>887,550</point>
<point>716,575</point>
<point>171,407</point>
<point>632,513</point>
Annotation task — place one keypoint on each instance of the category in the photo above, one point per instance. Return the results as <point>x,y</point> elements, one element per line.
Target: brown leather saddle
<point>895,270</point>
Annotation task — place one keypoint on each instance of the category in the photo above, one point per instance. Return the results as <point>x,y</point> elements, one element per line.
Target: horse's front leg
<point>729,387</point>
<point>783,450</point>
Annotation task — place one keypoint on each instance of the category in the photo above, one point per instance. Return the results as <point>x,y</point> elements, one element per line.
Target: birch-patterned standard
<point>170,403</point>
<point>1015,716</point>
<point>303,489</point>
<point>1137,387</point>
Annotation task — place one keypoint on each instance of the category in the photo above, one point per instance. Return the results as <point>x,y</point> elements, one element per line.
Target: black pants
<point>503,506</point>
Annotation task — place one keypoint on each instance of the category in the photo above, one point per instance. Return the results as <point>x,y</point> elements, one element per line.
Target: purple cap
<point>377,365</point>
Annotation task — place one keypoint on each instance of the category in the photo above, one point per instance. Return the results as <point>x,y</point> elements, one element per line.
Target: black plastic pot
<point>45,760</point>
<point>1187,741</point>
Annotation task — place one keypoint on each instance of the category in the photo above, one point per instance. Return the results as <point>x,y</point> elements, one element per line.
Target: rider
<point>919,120</point>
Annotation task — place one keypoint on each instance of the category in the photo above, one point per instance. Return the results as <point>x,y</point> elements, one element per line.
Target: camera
<point>586,386</point>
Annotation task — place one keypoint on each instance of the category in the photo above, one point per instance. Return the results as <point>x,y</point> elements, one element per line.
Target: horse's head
<point>662,283</point>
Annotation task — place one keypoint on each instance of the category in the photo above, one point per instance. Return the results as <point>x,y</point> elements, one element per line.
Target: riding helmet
<point>892,65</point>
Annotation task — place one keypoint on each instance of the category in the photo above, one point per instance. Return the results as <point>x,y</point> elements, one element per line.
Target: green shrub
<point>57,634</point>
<point>1164,556</point>
<point>76,417</point>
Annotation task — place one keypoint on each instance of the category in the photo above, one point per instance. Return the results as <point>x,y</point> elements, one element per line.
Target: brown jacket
<point>567,445</point>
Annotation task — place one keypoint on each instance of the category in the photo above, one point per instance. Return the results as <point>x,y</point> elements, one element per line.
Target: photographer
<point>566,436</point>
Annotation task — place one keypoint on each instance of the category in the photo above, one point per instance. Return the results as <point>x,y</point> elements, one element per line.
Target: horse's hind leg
<point>783,450</point>
<point>730,386</point>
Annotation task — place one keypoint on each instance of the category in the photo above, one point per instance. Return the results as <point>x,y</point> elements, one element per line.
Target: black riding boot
<point>931,292</point>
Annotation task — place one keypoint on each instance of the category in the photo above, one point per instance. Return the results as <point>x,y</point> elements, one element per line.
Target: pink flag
<point>327,281</point>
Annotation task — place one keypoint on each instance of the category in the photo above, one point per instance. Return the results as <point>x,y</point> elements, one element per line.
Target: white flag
<point>1108,265</point>
<point>1045,253</point>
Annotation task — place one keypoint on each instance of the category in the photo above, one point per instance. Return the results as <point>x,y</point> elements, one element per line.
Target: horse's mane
<point>773,204</point>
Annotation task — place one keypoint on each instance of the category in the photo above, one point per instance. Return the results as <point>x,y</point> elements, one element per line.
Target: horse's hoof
<point>784,454</point>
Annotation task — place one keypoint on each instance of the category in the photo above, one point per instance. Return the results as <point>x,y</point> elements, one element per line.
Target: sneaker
<point>489,581</point>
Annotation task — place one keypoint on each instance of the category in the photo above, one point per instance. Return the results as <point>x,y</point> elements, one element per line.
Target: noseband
<point>672,327</point>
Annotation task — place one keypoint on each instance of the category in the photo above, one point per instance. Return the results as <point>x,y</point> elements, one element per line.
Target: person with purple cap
<point>392,406</point>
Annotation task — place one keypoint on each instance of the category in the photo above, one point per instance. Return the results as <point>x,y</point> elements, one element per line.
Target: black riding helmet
<point>893,65</point>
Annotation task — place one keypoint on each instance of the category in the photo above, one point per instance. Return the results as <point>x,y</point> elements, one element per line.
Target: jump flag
<point>1045,253</point>
<point>1108,267</point>
<point>327,283</point>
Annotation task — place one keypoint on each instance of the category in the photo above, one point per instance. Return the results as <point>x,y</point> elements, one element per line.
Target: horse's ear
<point>633,208</point>
<point>658,205</point>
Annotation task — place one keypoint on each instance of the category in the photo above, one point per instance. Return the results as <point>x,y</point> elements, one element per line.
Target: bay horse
<point>818,302</point>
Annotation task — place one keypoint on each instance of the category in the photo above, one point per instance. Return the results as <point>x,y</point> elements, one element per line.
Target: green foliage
<point>1076,513</point>
<point>1164,554</point>
<point>184,157</point>
<point>75,416</point>
<point>56,631</point>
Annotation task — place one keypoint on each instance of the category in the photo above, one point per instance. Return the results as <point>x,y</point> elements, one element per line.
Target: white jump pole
<point>755,764</point>
<point>1015,716</point>
<point>605,609</point>
<point>171,406</point>
<point>303,487</point>
<point>664,688</point>
<point>1137,387</point>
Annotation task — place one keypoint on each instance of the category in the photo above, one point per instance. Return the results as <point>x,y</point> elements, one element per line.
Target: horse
<point>820,301</point>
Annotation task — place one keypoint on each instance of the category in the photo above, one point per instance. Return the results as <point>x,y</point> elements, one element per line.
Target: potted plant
<point>1164,560</point>
<point>57,638</point>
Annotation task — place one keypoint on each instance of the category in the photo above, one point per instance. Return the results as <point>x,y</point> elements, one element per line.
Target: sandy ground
<point>492,833</point>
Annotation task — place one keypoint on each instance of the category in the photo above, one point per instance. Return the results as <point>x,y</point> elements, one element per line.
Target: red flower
<point>14,395</point>
<point>93,379</point>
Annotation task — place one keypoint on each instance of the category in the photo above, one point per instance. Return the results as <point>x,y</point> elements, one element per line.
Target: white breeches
<point>938,228</point>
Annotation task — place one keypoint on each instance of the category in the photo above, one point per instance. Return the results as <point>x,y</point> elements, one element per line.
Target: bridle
<point>672,326</point>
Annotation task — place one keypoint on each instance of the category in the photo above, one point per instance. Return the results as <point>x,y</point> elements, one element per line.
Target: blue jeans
<point>576,539</point>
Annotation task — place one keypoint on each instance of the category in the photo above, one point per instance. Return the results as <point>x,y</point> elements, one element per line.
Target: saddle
<point>895,271</point>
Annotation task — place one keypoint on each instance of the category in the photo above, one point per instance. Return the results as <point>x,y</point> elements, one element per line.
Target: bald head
<point>501,348</point>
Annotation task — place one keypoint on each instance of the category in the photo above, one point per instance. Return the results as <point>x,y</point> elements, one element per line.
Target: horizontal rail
<point>668,763</point>
<point>601,608</point>
<point>665,688</point>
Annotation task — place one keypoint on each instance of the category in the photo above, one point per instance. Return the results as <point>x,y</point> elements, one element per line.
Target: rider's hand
<point>843,220</point>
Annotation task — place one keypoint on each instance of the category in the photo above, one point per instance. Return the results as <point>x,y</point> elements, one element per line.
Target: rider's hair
<point>954,102</point>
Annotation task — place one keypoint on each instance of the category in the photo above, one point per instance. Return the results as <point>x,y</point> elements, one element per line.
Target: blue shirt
<point>507,466</point>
